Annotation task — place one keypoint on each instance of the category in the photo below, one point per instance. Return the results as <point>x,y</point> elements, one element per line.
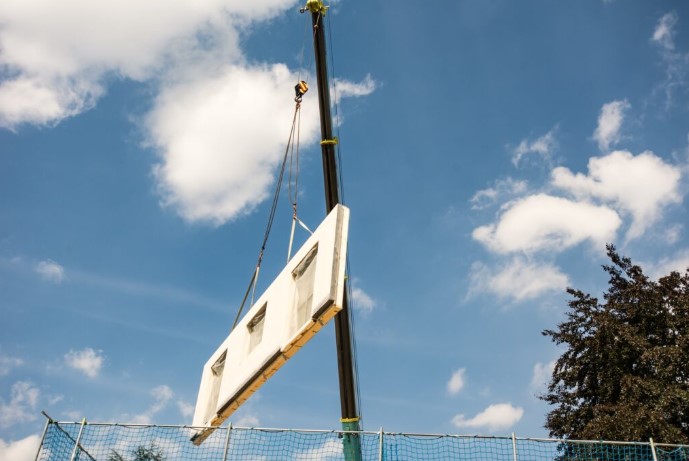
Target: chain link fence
<point>64,441</point>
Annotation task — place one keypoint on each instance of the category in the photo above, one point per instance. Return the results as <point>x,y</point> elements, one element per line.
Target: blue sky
<point>490,149</point>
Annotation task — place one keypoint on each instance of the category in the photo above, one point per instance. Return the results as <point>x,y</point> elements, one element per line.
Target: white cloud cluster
<point>51,271</point>
<point>20,450</point>
<point>362,301</point>
<point>495,417</point>
<point>7,363</point>
<point>73,415</point>
<point>456,382</point>
<point>678,263</point>
<point>610,120</point>
<point>186,409</point>
<point>58,56</point>
<point>518,279</point>
<point>543,146</point>
<point>218,122</point>
<point>248,420</point>
<point>347,89</point>
<point>87,361</point>
<point>641,185</point>
<point>619,189</point>
<point>221,136</point>
<point>545,222</point>
<point>664,32</point>
<point>501,188</point>
<point>330,450</point>
<point>220,139</point>
<point>162,395</point>
<point>542,372</point>
<point>21,407</point>
<point>676,61</point>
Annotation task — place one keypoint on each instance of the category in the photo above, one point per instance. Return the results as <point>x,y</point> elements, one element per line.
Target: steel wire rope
<point>338,157</point>
<point>303,48</point>
<point>293,185</point>
<point>293,175</point>
<point>271,215</point>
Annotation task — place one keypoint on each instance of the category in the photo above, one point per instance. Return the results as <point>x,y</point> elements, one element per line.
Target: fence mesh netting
<point>115,442</point>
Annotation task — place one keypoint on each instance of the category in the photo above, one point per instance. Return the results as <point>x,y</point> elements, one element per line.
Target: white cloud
<point>87,361</point>
<point>162,395</point>
<point>362,301</point>
<point>676,61</point>
<point>248,420</point>
<point>73,415</point>
<point>641,185</point>
<point>543,146</point>
<point>51,271</point>
<point>673,233</point>
<point>221,135</point>
<point>54,399</point>
<point>496,416</point>
<point>665,31</point>
<point>331,449</point>
<point>545,222</point>
<point>186,409</point>
<point>345,88</point>
<point>22,405</point>
<point>62,53</point>
<point>20,450</point>
<point>456,382</point>
<point>220,138</point>
<point>542,372</point>
<point>7,363</point>
<point>679,263</point>
<point>501,188</point>
<point>218,123</point>
<point>609,124</point>
<point>40,102</point>
<point>518,279</point>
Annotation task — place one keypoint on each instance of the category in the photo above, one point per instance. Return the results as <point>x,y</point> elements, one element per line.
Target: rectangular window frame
<point>256,326</point>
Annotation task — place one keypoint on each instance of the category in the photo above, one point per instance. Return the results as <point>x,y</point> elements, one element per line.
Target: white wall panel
<point>284,329</point>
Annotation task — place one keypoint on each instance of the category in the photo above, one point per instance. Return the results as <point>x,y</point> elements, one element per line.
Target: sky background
<point>490,149</point>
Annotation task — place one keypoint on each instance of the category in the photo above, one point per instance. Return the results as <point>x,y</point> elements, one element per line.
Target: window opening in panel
<point>255,327</point>
<point>304,277</point>
<point>216,379</point>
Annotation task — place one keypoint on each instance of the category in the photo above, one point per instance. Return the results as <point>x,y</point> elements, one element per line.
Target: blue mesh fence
<point>116,442</point>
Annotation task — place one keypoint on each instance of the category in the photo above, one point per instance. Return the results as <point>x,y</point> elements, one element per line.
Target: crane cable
<point>293,178</point>
<point>300,89</point>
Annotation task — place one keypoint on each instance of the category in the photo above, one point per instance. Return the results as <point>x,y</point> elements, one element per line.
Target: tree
<point>625,372</point>
<point>140,453</point>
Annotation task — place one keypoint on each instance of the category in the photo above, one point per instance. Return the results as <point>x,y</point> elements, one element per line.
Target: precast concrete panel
<point>306,294</point>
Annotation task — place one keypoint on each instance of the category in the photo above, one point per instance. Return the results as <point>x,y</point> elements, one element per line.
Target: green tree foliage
<point>625,372</point>
<point>140,453</point>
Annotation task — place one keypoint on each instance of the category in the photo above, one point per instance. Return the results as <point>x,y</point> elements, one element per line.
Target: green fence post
<point>380,447</point>
<point>76,442</point>
<point>45,431</point>
<point>351,440</point>
<point>514,446</point>
<point>653,449</point>
<point>227,442</point>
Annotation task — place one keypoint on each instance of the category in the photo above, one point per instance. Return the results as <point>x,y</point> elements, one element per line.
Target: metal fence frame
<point>599,448</point>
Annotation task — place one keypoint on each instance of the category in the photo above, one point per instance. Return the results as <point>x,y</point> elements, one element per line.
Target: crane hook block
<point>300,90</point>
